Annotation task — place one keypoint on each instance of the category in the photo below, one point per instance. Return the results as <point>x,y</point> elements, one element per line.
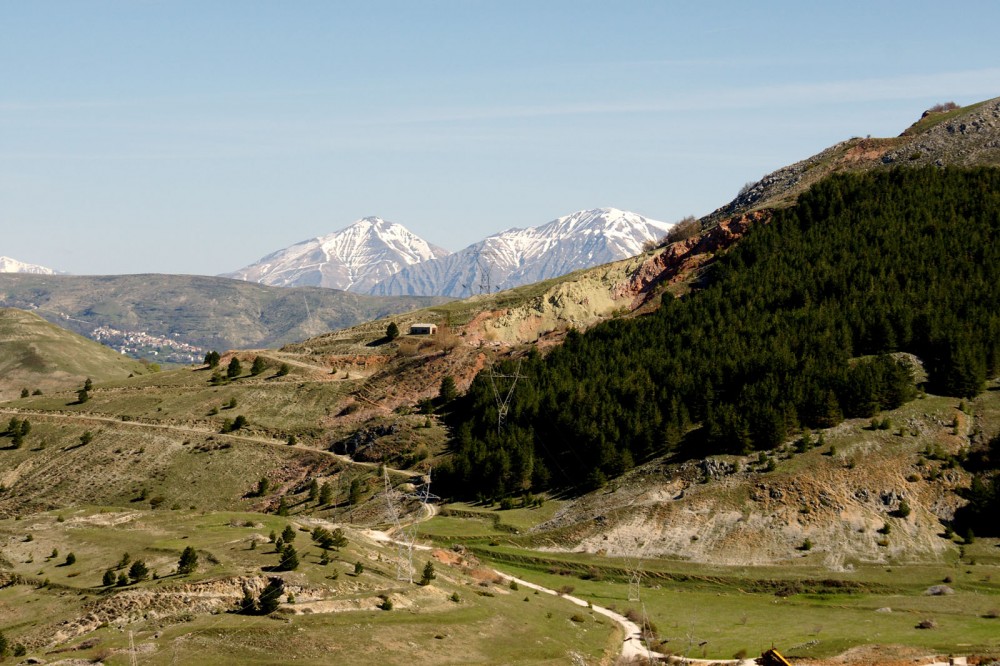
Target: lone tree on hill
<point>428,574</point>
<point>235,369</point>
<point>188,562</point>
<point>392,331</point>
<point>259,366</point>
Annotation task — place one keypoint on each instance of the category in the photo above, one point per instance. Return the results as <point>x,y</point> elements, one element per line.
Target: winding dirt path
<point>270,441</point>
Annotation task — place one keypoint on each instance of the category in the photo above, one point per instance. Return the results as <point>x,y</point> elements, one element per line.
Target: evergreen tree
<point>270,596</point>
<point>138,571</point>
<point>392,331</point>
<point>355,492</point>
<point>248,604</point>
<point>428,574</point>
<point>212,359</point>
<point>259,366</point>
<point>188,561</point>
<point>109,578</point>
<point>288,534</point>
<point>448,390</point>
<point>325,494</point>
<point>235,369</point>
<point>289,560</point>
<point>313,490</point>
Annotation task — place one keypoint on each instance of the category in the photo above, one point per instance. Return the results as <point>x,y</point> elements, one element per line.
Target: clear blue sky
<point>195,137</point>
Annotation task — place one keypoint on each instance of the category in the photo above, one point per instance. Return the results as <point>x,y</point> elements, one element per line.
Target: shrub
<point>70,559</point>
<point>684,229</point>
<point>904,509</point>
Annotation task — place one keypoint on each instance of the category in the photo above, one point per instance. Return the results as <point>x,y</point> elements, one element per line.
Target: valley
<point>779,428</point>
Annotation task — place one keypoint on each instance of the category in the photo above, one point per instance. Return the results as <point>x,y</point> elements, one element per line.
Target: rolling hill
<point>37,355</point>
<point>204,312</point>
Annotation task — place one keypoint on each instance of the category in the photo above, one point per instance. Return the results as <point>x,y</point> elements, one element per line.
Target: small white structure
<point>423,329</point>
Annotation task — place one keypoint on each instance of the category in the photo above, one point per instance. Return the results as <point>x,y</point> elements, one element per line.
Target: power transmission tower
<point>482,280</point>
<point>404,538</point>
<point>501,397</point>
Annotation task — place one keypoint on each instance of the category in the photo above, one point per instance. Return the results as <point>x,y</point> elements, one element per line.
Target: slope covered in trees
<point>793,327</point>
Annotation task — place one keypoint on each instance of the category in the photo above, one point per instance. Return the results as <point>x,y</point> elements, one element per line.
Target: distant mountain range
<point>381,258</point>
<point>8,265</point>
<point>355,258</point>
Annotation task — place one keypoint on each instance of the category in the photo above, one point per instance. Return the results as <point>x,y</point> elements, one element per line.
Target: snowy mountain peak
<point>8,265</point>
<point>356,257</point>
<point>521,256</point>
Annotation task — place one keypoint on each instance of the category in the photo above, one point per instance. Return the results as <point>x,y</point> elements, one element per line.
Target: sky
<point>195,137</point>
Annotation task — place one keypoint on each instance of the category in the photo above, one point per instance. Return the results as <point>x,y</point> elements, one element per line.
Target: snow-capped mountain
<point>8,265</point>
<point>522,256</point>
<point>355,258</point>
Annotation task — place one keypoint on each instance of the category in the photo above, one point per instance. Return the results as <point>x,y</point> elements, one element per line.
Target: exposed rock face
<point>964,137</point>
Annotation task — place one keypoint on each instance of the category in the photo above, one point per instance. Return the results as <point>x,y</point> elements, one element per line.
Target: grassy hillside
<point>327,610</point>
<point>208,312</point>
<point>37,355</point>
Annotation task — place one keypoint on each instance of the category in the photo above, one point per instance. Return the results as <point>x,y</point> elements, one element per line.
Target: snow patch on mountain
<point>8,265</point>
<point>355,258</point>
<point>522,256</point>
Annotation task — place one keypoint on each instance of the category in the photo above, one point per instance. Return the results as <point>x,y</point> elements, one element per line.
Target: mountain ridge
<point>353,258</point>
<point>520,256</point>
<point>11,265</point>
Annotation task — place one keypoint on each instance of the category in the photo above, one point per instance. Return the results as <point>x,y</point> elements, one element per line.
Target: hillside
<point>966,137</point>
<point>786,425</point>
<point>204,312</point>
<point>37,355</point>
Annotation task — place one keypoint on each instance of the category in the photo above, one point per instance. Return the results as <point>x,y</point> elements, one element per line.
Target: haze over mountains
<point>382,258</point>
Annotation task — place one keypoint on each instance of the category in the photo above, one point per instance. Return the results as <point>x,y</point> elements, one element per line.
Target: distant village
<point>140,344</point>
